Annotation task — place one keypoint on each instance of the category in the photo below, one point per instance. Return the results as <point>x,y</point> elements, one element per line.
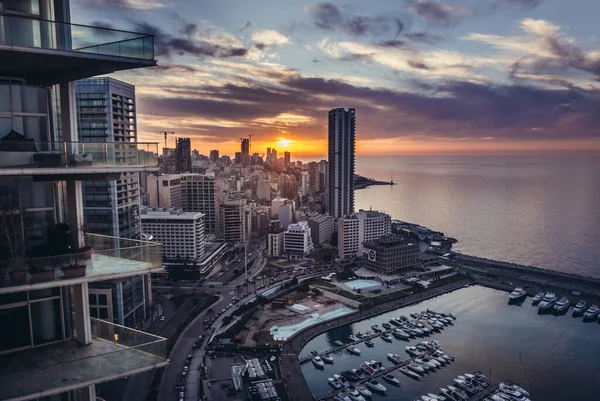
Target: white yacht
<point>430,365</point>
<point>427,360</point>
<point>338,343</point>
<point>537,298</point>
<point>413,351</point>
<point>416,368</point>
<point>318,362</point>
<point>376,386</point>
<point>562,305</point>
<point>386,337</point>
<point>354,394</point>
<point>580,308</point>
<point>335,383</point>
<point>362,390</point>
<point>391,379</point>
<point>401,334</point>
<point>592,312</point>
<point>354,351</point>
<point>511,386</point>
<point>409,373</point>
<point>548,301</point>
<point>458,391</point>
<point>359,373</point>
<point>342,397</point>
<point>394,358</point>
<point>518,293</point>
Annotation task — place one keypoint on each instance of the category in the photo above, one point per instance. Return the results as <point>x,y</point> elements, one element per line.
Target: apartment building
<point>46,311</point>
<point>297,242</point>
<point>391,254</point>
<point>360,227</point>
<point>198,194</point>
<point>164,191</point>
<point>234,221</point>
<point>321,228</point>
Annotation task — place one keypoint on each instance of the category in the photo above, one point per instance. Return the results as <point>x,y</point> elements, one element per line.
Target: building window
<point>17,320</point>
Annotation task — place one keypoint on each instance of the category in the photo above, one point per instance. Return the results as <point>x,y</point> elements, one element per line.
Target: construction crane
<point>165,134</point>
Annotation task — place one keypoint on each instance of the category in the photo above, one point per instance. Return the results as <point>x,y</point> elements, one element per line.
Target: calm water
<point>536,210</point>
<point>558,354</point>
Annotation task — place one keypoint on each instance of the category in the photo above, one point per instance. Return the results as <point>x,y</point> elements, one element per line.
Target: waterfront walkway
<point>290,366</point>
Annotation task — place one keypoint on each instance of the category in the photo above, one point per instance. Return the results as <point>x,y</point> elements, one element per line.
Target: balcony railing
<point>29,154</point>
<point>115,351</point>
<point>108,258</point>
<point>36,33</point>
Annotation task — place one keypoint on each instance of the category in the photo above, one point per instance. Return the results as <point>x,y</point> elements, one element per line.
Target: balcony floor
<point>67,365</point>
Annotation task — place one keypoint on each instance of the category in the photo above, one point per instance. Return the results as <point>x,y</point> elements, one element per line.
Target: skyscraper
<point>214,155</point>
<point>183,155</point>
<point>287,158</point>
<point>341,139</point>
<point>245,157</point>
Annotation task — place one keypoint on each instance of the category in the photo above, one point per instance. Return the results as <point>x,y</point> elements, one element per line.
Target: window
<point>102,299</point>
<point>45,321</point>
<point>93,300</point>
<point>17,321</point>
<point>103,313</point>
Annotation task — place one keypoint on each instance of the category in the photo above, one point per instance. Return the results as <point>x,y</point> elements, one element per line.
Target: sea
<point>539,210</point>
<point>554,357</point>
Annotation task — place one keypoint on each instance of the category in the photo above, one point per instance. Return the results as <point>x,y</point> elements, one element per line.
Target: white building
<point>181,233</point>
<point>276,204</point>
<point>164,191</point>
<point>297,242</point>
<point>341,162</point>
<point>263,190</point>
<point>198,194</point>
<point>321,228</point>
<point>275,239</point>
<point>360,227</point>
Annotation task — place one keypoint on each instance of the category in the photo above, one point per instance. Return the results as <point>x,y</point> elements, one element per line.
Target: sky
<point>425,76</point>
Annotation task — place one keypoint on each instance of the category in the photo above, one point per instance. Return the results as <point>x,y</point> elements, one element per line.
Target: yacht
<point>479,378</point>
<point>511,386</point>
<point>386,337</point>
<point>354,394</point>
<point>413,351</point>
<point>547,302</point>
<point>562,305</point>
<point>341,397</point>
<point>359,335</point>
<point>376,386</point>
<point>517,294</point>
<point>386,326</point>
<point>416,368</point>
<point>349,375</point>
<point>377,366</point>
<point>441,354</point>
<point>579,308</point>
<point>376,328</point>
<point>436,397</point>
<point>335,383</point>
<point>459,392</point>
<point>338,343</point>
<point>327,358</point>
<point>471,390</point>
<point>537,298</point>
<point>394,358</point>
<point>362,390</point>
<point>448,394</point>
<point>435,323</point>
<point>592,312</point>
<point>369,343</point>
<point>367,369</point>
<point>318,362</point>
<point>399,333</point>
<point>430,365</point>
<point>391,379</point>
<point>352,339</point>
<point>428,360</point>
<point>409,372</point>
<point>359,373</point>
<point>354,351</point>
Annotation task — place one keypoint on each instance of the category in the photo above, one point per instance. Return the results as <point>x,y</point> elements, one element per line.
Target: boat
<point>435,323</point>
<point>376,328</point>
<point>342,397</point>
<point>430,365</point>
<point>386,337</point>
<point>354,351</point>
<point>440,354</point>
<point>464,385</point>
<point>327,358</point>
<point>427,360</point>
<point>376,386</point>
<point>338,343</point>
<point>537,298</point>
<point>412,351</point>
<point>414,315</point>
<point>448,394</point>
<point>592,312</point>
<point>367,369</point>
<point>458,391</point>
<point>335,383</point>
<point>517,294</point>
<point>562,305</point>
<point>512,386</point>
<point>376,365</point>
<point>342,380</point>
<point>362,390</point>
<point>318,362</point>
<point>479,378</point>
<point>386,326</point>
<point>547,302</point>
<point>354,395</point>
<point>351,376</point>
<point>359,335</point>
<point>401,334</point>
<point>359,373</point>
<point>352,339</point>
<point>409,373</point>
<point>580,308</point>
<point>416,368</point>
<point>391,379</point>
<point>314,353</point>
<point>369,343</point>
<point>436,397</point>
<point>394,358</point>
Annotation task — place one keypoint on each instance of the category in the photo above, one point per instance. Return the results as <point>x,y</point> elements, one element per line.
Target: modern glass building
<point>51,347</point>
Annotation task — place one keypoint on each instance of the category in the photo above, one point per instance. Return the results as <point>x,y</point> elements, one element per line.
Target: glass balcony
<point>115,352</point>
<point>49,158</point>
<point>109,258</point>
<point>51,35</point>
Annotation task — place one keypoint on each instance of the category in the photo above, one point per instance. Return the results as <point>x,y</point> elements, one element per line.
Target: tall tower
<point>342,126</point>
<point>183,155</point>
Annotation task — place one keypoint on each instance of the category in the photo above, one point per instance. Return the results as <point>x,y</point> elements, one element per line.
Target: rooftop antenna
<point>165,134</point>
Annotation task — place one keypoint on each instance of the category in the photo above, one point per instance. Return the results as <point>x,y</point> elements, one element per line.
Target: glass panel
<point>35,128</point>
<point>28,99</point>
<point>13,298</point>
<point>103,313</point>
<point>92,298</point>
<point>66,297</point>
<point>102,299</point>
<point>45,321</point>
<point>45,293</point>
<point>94,312</point>
<point>5,126</point>
<point>4,96</point>
<point>23,6</point>
<point>15,328</point>
<point>23,32</point>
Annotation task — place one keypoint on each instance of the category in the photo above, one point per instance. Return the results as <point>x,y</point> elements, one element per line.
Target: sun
<point>283,143</point>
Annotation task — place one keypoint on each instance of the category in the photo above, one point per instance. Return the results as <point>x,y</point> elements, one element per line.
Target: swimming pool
<point>284,332</point>
<point>360,284</point>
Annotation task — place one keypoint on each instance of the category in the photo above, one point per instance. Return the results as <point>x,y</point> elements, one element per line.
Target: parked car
<point>162,319</point>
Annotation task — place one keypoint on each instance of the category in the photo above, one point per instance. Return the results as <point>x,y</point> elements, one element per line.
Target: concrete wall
<point>350,302</point>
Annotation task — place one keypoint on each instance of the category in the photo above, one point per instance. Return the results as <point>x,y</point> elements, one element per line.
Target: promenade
<point>290,366</point>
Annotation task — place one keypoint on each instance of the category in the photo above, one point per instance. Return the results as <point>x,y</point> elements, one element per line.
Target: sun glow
<point>283,143</point>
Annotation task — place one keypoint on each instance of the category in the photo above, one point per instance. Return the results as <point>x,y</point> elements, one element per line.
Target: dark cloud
<point>103,24</point>
<point>328,16</point>
<point>173,68</point>
<point>260,46</point>
<point>525,4</point>
<point>435,10</point>
<point>418,65</point>
<point>424,37</point>
<point>246,26</point>
<point>167,45</point>
<point>396,44</point>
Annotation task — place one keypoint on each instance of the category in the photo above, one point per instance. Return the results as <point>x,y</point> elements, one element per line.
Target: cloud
<point>129,4</point>
<point>246,26</point>
<point>328,16</point>
<point>418,65</point>
<point>525,4</point>
<point>434,10</point>
<point>168,45</point>
<point>424,37</point>
<point>270,37</point>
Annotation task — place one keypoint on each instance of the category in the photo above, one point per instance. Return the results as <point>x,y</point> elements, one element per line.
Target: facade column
<point>75,211</point>
<point>82,330</point>
<point>87,393</point>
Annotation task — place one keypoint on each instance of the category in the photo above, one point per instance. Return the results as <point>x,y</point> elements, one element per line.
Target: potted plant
<point>40,273</point>
<point>18,276</point>
<point>74,270</point>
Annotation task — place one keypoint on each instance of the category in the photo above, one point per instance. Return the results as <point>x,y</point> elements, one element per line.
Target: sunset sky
<point>425,76</point>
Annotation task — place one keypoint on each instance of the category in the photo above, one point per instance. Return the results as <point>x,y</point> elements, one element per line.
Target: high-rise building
<point>180,233</point>
<point>183,155</point>
<point>198,194</point>
<point>214,155</point>
<point>360,227</point>
<point>287,159</point>
<point>341,146</point>
<point>234,219</point>
<point>56,341</point>
<point>164,191</point>
<point>297,242</point>
<point>106,112</point>
<point>321,228</point>
<point>275,239</point>
<point>263,190</point>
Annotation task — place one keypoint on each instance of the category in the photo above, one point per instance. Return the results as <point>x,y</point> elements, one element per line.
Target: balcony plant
<point>74,270</point>
<point>41,272</point>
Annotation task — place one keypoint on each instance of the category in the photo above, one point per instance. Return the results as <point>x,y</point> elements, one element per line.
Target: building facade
<point>263,190</point>
<point>360,227</point>
<point>199,194</point>
<point>46,308</point>
<point>164,191</point>
<point>275,239</point>
<point>181,233</point>
<point>234,223</point>
<point>183,155</point>
<point>391,254</point>
<point>297,242</point>
<point>341,145</point>
<point>321,229</point>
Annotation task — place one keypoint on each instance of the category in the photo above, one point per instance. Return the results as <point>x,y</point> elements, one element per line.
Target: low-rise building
<point>181,233</point>
<point>297,242</point>
<point>391,254</point>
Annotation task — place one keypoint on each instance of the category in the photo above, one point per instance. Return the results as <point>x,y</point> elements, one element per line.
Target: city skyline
<point>428,76</point>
